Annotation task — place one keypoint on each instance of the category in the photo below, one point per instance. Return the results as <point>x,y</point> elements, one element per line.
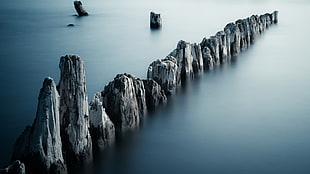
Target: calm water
<point>251,115</point>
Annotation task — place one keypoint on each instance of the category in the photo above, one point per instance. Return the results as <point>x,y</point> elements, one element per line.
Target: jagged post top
<point>72,66</point>
<point>182,44</point>
<point>119,79</point>
<point>48,86</point>
<point>70,57</point>
<point>126,74</point>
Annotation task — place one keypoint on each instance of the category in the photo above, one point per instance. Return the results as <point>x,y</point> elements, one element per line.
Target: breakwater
<point>124,101</point>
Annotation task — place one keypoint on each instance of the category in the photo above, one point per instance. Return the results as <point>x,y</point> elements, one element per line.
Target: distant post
<point>155,20</point>
<point>275,17</point>
<point>79,8</point>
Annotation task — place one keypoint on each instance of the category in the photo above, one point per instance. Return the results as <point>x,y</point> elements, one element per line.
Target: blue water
<point>251,115</point>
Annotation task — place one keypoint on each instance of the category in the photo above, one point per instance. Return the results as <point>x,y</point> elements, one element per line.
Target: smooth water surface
<point>250,115</point>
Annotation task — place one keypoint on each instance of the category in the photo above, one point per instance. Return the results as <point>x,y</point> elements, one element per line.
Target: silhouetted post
<point>155,20</point>
<point>79,8</point>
